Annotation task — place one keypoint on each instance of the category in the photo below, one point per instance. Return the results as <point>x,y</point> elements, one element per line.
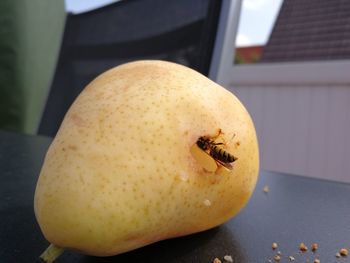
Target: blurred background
<point>287,60</point>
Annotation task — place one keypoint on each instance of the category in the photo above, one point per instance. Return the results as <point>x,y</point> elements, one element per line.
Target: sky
<point>256,21</point>
<point>78,6</point>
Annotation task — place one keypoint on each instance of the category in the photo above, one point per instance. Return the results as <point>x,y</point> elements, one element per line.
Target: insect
<point>215,150</point>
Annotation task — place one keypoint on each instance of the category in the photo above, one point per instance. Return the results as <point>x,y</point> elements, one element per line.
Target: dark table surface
<point>296,209</point>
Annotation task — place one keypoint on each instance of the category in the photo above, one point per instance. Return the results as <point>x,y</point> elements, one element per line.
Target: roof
<point>310,30</point>
<point>248,55</point>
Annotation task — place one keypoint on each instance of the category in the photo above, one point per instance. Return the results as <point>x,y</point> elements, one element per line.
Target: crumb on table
<point>302,247</point>
<point>266,189</point>
<point>274,245</point>
<point>228,258</point>
<point>343,252</point>
<point>277,258</point>
<point>314,247</point>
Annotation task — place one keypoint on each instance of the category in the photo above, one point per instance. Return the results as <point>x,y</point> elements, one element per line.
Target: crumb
<point>338,255</point>
<point>216,260</point>
<point>291,258</point>
<point>277,258</point>
<point>228,258</point>
<point>183,176</point>
<point>302,247</point>
<point>274,245</point>
<point>314,247</point>
<point>279,253</point>
<point>266,189</point>
<point>317,260</point>
<point>207,202</point>
<point>269,260</point>
<point>343,252</point>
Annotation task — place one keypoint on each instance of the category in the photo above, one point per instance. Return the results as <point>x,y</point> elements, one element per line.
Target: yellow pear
<point>126,169</point>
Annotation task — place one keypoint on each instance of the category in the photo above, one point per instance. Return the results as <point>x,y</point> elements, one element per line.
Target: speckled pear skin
<point>120,175</point>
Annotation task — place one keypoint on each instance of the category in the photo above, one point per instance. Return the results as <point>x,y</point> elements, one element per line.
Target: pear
<point>126,169</point>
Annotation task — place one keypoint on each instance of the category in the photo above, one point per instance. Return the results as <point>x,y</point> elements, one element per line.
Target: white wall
<point>301,110</point>
<point>302,115</point>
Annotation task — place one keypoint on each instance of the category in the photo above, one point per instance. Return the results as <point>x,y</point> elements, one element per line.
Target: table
<point>296,209</point>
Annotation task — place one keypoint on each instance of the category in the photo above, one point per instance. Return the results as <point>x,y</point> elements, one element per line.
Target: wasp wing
<point>226,165</point>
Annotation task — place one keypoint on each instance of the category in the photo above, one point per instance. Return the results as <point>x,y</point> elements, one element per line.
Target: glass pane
<point>256,22</point>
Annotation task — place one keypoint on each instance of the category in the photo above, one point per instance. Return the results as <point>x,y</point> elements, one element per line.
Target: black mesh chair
<point>181,31</point>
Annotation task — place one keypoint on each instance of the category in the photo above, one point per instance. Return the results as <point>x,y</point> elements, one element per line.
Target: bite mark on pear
<point>205,160</point>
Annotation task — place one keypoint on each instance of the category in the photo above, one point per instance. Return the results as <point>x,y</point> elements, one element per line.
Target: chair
<point>181,31</point>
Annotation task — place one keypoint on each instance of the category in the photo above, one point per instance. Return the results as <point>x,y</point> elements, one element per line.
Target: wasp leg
<point>218,134</point>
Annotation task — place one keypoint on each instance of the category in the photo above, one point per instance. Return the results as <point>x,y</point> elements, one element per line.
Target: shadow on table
<point>200,247</point>
<point>20,236</point>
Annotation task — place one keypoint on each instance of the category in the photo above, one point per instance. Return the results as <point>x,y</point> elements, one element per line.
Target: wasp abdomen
<point>222,155</point>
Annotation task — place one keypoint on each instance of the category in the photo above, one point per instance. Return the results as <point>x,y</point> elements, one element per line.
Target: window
<point>257,19</point>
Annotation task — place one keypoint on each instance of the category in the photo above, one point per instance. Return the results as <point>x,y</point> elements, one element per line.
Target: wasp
<point>215,150</point>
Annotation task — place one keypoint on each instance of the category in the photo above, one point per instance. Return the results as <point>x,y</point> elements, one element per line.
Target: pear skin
<point>122,172</point>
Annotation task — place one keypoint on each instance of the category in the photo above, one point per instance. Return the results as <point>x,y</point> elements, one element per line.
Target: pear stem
<point>51,253</point>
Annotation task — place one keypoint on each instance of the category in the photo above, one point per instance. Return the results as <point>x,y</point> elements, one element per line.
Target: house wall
<point>302,115</point>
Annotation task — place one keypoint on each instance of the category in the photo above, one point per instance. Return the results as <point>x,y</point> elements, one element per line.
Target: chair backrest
<point>181,31</point>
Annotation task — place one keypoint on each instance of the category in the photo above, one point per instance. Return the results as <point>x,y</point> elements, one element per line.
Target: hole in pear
<point>205,160</point>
